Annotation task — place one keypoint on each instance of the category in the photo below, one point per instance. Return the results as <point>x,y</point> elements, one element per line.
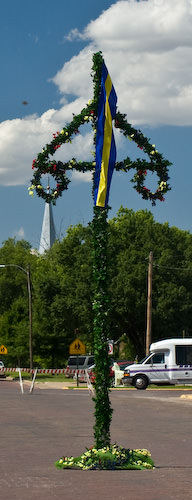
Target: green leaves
<point>62,288</point>
<point>103,411</point>
<point>108,458</point>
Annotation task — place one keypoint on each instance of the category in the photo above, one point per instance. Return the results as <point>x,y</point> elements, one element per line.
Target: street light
<point>27,272</point>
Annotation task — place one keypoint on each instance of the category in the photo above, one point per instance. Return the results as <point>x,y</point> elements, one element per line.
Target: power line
<point>174,268</point>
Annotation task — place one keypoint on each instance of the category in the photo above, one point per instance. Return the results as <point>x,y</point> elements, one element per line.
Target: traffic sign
<point>77,347</point>
<point>3,349</point>
<point>110,346</point>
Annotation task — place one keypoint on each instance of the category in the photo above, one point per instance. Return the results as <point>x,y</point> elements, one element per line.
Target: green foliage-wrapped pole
<point>44,164</point>
<point>103,411</point>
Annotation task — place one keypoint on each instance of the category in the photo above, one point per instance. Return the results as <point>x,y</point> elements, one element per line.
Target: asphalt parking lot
<point>38,428</point>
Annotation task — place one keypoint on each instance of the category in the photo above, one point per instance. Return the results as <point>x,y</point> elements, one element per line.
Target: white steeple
<point>48,228</point>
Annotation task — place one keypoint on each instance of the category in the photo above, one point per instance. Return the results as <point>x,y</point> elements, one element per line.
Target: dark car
<point>92,376</point>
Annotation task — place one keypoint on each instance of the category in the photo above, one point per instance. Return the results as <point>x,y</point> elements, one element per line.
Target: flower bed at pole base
<point>108,458</point>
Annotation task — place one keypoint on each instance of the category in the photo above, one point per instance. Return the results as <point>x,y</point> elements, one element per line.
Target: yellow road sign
<point>77,347</point>
<point>3,349</point>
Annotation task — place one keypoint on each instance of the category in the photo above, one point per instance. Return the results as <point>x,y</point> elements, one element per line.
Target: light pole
<point>27,272</point>
<point>149,304</point>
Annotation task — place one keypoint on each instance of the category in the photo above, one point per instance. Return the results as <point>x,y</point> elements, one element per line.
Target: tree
<point>63,295</point>
<point>14,300</point>
<point>133,236</point>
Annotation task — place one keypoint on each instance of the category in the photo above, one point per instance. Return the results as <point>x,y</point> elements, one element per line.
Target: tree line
<point>62,290</point>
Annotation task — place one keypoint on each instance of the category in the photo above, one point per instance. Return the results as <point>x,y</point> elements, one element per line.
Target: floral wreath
<point>44,165</point>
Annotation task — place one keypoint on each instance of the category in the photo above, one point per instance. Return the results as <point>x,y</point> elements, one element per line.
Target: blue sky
<point>46,57</point>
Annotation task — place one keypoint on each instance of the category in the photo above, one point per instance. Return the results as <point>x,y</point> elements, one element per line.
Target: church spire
<point>48,228</point>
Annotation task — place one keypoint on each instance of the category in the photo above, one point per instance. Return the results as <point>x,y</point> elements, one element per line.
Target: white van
<point>169,362</point>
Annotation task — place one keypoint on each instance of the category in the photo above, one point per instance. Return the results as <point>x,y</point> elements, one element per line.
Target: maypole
<point>105,157</point>
<point>101,111</point>
<point>103,411</point>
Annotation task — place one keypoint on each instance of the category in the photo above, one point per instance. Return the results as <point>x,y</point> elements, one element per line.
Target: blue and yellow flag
<point>105,142</point>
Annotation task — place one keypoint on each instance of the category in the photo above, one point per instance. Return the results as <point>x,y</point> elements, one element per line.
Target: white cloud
<point>74,34</point>
<point>147,48</point>
<point>22,139</point>
<point>82,177</point>
<point>19,234</point>
<point>152,25</point>
<point>74,77</point>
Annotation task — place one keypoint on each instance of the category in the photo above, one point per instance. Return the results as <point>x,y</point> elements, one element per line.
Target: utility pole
<point>149,304</point>
<point>30,316</point>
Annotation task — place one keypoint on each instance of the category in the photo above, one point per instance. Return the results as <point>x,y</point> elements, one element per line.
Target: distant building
<point>48,229</point>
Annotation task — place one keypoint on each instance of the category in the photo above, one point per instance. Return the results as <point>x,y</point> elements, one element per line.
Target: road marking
<point>186,396</point>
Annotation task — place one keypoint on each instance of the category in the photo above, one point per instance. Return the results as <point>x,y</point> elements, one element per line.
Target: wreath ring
<point>57,169</point>
<point>156,162</point>
<point>43,165</point>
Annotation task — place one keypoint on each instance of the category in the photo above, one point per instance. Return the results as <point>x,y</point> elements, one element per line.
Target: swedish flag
<point>105,142</point>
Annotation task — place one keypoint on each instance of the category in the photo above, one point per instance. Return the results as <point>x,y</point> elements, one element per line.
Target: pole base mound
<point>111,457</point>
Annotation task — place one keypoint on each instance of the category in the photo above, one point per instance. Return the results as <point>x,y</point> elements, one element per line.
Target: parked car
<point>92,375</point>
<point>122,365</point>
<point>2,374</point>
<point>78,362</point>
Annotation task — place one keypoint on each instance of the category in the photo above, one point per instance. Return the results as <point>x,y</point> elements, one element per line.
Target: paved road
<point>38,428</point>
